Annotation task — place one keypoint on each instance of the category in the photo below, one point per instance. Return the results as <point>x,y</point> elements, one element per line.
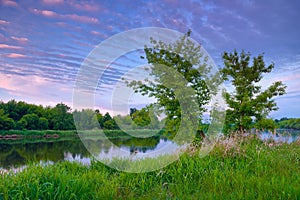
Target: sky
<point>43,43</point>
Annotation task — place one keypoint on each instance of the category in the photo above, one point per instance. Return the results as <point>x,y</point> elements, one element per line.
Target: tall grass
<point>237,168</point>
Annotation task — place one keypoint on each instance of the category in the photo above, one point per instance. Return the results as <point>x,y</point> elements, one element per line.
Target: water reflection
<point>14,154</point>
<point>281,135</point>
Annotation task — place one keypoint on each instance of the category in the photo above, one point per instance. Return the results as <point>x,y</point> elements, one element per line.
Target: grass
<point>66,133</point>
<point>28,133</point>
<point>237,168</point>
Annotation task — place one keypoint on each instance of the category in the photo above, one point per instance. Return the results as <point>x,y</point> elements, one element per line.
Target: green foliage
<point>6,123</point>
<point>248,102</point>
<point>21,115</point>
<point>268,124</point>
<point>30,121</point>
<point>141,118</point>
<point>108,122</point>
<point>61,118</point>
<point>249,170</point>
<point>86,119</point>
<point>43,123</point>
<point>145,119</point>
<point>292,123</point>
<point>178,83</point>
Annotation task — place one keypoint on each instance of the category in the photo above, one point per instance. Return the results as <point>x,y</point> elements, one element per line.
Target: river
<point>15,154</point>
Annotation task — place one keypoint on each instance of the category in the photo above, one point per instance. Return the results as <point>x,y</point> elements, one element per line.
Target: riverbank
<point>237,168</point>
<point>31,134</point>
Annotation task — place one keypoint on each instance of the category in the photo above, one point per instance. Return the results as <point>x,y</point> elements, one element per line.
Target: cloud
<point>85,6</point>
<point>102,35</point>
<point>34,89</point>
<point>81,18</point>
<point>3,22</point>
<point>53,1</point>
<point>15,55</point>
<point>74,17</point>
<point>5,46</point>
<point>9,3</point>
<point>19,39</point>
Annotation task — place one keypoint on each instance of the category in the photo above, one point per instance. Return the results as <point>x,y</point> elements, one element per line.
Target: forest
<point>19,115</point>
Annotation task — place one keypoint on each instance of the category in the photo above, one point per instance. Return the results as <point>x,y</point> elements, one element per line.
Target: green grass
<point>236,169</point>
<point>27,133</point>
<point>65,133</point>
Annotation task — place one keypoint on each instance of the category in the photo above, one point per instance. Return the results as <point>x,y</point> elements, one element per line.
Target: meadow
<point>237,168</point>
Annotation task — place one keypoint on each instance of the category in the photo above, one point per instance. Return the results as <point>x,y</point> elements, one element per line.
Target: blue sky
<point>43,43</point>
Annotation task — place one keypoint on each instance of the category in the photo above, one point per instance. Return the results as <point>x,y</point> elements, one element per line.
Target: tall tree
<point>248,103</point>
<point>176,68</point>
<point>61,118</point>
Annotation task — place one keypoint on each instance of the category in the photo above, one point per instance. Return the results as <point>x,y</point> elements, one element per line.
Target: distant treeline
<point>24,116</point>
<point>288,123</point>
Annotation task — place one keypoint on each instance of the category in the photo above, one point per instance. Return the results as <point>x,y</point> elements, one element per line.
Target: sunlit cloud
<point>83,6</point>
<point>99,34</point>
<point>9,3</point>
<point>86,6</point>
<point>75,17</point>
<point>19,39</point>
<point>3,22</point>
<point>5,46</point>
<point>32,87</point>
<point>52,1</point>
<point>14,55</point>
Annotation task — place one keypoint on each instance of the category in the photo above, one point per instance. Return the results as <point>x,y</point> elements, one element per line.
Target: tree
<point>86,119</point>
<point>145,119</point>
<point>108,122</point>
<point>268,124</point>
<point>30,122</point>
<point>61,118</point>
<point>110,125</point>
<point>43,123</point>
<point>141,118</point>
<point>6,123</point>
<point>132,110</point>
<point>292,123</point>
<point>248,103</point>
<point>177,69</point>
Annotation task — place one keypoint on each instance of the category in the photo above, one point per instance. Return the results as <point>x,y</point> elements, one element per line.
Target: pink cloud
<point>82,18</point>
<point>15,55</point>
<point>46,13</point>
<point>35,89</point>
<point>3,22</point>
<point>79,18</point>
<point>9,3</point>
<point>99,34</point>
<point>53,1</point>
<point>84,6</point>
<point>95,33</point>
<point>19,39</point>
<point>5,46</point>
